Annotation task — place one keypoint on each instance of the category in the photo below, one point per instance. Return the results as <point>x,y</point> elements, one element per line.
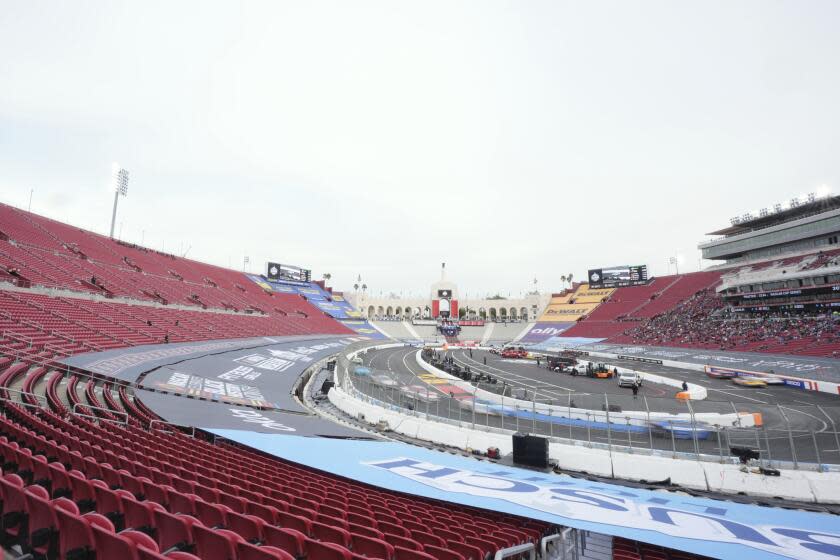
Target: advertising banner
<point>365,329</point>
<point>567,313</point>
<point>543,330</point>
<point>712,528</point>
<point>194,412</point>
<point>592,295</point>
<point>261,376</point>
<point>127,364</point>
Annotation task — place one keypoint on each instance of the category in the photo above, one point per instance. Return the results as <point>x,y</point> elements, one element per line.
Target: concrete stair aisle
<point>17,386</point>
<point>595,546</point>
<point>487,332</point>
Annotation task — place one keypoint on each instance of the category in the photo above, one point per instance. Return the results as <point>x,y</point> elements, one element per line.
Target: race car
<point>514,353</point>
<point>681,429</point>
<point>382,379</point>
<point>770,380</point>
<point>718,374</point>
<point>749,381</point>
<point>420,393</point>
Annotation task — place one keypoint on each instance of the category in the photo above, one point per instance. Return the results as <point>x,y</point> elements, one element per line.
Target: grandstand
<point>328,396</point>
<point>77,488</point>
<point>112,294</point>
<point>89,473</point>
<point>749,303</point>
<point>69,292</point>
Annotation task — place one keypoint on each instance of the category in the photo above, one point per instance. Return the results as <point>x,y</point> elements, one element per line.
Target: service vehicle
<point>629,379</point>
<point>599,371</point>
<point>559,363</point>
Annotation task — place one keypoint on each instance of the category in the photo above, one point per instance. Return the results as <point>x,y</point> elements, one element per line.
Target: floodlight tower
<point>120,178</point>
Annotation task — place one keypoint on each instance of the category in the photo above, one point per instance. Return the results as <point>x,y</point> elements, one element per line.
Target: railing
<point>107,410</point>
<point>20,403</point>
<point>165,423</point>
<point>517,550</point>
<point>601,421</point>
<point>38,398</point>
<point>554,547</point>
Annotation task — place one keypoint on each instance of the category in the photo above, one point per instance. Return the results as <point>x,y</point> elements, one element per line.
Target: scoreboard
<point>277,271</point>
<point>618,276</point>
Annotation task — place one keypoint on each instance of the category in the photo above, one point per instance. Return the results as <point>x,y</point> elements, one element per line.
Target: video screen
<point>618,276</point>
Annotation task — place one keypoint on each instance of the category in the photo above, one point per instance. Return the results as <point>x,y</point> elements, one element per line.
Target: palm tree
<point>569,278</point>
<point>563,280</point>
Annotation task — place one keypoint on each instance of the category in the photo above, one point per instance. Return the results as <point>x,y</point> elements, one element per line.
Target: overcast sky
<point>511,140</point>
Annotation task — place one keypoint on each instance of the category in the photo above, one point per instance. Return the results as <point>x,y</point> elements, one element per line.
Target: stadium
<point>155,405</point>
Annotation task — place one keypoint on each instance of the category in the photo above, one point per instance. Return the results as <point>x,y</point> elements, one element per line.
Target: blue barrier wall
<point>714,528</point>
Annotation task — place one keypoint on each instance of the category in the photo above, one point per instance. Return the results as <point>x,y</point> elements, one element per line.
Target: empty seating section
<point>72,488</point>
<point>69,325</point>
<point>42,252</point>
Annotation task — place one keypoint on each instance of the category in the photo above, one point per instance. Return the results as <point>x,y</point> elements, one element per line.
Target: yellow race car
<point>748,381</point>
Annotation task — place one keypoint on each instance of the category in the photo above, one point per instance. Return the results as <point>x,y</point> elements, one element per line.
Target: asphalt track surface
<point>797,423</point>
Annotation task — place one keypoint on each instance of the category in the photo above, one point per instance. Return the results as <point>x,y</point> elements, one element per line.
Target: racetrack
<point>797,423</point>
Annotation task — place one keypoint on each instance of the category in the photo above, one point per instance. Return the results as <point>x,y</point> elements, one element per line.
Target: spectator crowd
<point>704,321</point>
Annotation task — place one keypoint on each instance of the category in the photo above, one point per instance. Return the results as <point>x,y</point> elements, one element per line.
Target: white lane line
<point>516,383</point>
<point>739,396</point>
<point>541,391</point>
<point>465,356</point>
<point>823,422</point>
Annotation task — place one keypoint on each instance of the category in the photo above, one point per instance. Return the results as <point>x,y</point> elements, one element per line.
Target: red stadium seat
<point>216,544</point>
<point>374,548</point>
<point>401,553</point>
<point>43,523</point>
<point>290,540</point>
<point>442,553</point>
<point>327,551</point>
<point>248,551</point>
<point>174,531</point>
<point>468,551</point>
<point>403,542</point>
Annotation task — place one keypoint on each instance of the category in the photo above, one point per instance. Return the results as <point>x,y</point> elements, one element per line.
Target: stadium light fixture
<point>120,181</point>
